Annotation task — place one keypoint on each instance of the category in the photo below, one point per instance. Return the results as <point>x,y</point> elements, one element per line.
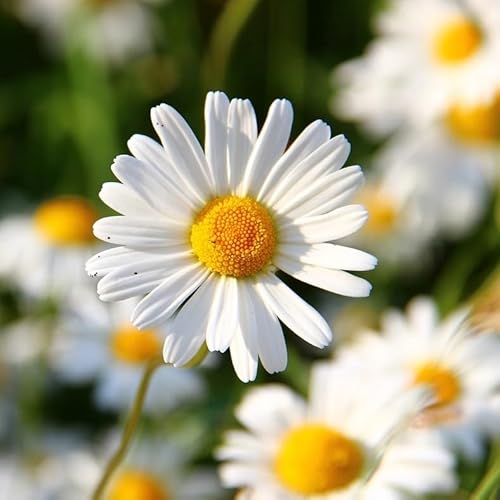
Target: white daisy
<point>155,469</point>
<point>97,341</point>
<point>423,188</point>
<point>111,29</point>
<point>326,448</point>
<point>203,233</point>
<point>460,367</point>
<point>47,249</point>
<point>430,56</point>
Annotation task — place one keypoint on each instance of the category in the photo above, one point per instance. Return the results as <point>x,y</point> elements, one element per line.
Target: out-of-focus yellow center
<point>137,485</point>
<point>66,221</point>
<point>478,124</point>
<point>456,40</point>
<point>382,212</point>
<point>314,459</point>
<point>442,380</point>
<point>234,236</point>
<point>131,345</point>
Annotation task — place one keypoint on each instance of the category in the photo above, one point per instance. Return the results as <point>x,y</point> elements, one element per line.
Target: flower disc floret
<point>234,236</point>
<point>314,459</point>
<point>66,221</point>
<point>131,345</point>
<point>137,485</point>
<point>443,381</point>
<point>478,124</point>
<point>456,41</point>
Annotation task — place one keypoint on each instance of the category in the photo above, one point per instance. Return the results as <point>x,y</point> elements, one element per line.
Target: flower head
<point>203,232</point>
<point>326,448</point>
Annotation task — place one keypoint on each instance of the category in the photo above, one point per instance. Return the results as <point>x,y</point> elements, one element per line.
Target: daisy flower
<point>430,57</point>
<point>110,29</point>
<point>47,249</point>
<point>326,448</point>
<point>422,188</point>
<point>155,470</point>
<point>203,233</point>
<point>460,367</point>
<point>97,341</point>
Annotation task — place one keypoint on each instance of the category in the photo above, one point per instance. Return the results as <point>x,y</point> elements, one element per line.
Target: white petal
<point>242,134</point>
<point>327,158</point>
<point>299,316</point>
<point>107,260</point>
<point>334,225</point>
<point>270,338</point>
<point>139,232</point>
<point>270,144</point>
<point>152,154</point>
<point>124,200</point>
<point>244,347</point>
<point>313,136</point>
<point>327,188</point>
<point>268,410</point>
<point>183,149</point>
<point>125,281</point>
<point>329,256</point>
<point>187,332</point>
<point>164,300</point>
<point>244,356</point>
<point>152,187</point>
<point>216,131</point>
<point>223,317</point>
<point>332,280</point>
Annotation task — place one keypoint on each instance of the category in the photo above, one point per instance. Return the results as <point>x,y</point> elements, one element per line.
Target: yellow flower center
<point>137,485</point>
<point>234,236</point>
<point>442,380</point>
<point>456,41</point>
<point>478,124</point>
<point>381,209</point>
<point>66,221</point>
<point>131,345</point>
<point>314,459</point>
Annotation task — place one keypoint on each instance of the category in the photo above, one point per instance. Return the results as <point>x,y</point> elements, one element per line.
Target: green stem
<point>128,431</point>
<point>491,481</point>
<point>224,34</point>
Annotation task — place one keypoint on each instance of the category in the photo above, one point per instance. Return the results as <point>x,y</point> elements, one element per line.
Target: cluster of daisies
<point>199,272</point>
<point>430,81</point>
<point>200,250</point>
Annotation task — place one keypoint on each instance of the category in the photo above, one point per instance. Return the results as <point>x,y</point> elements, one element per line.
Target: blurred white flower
<point>459,366</point>
<point>155,469</point>
<point>430,56</point>
<point>46,251</point>
<point>327,448</point>
<point>204,232</point>
<point>111,29</point>
<point>423,187</point>
<point>97,341</point>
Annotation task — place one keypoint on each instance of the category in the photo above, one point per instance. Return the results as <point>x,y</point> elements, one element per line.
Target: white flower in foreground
<point>110,29</point>
<point>423,188</point>
<point>327,448</point>
<point>461,368</point>
<point>97,341</point>
<point>203,233</point>
<point>47,250</point>
<point>430,56</point>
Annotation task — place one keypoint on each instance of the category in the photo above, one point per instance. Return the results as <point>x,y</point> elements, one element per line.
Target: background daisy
<point>327,447</point>
<point>96,341</point>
